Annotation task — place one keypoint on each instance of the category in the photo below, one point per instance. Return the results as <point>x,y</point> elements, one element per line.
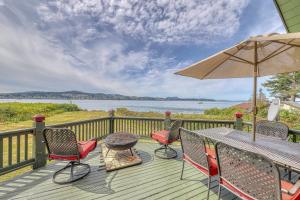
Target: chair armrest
<point>293,190</point>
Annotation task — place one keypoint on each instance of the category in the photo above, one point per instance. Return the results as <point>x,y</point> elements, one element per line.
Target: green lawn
<point>55,119</point>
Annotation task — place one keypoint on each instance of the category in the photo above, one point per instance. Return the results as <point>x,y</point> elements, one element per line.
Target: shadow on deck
<point>154,179</point>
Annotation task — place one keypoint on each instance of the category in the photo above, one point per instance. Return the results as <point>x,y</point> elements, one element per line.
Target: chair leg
<point>131,151</point>
<point>208,187</point>
<point>219,191</point>
<point>71,179</point>
<point>182,169</point>
<point>289,175</point>
<point>167,152</point>
<point>107,152</point>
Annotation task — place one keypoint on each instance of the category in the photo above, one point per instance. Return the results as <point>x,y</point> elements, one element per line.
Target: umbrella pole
<point>254,92</point>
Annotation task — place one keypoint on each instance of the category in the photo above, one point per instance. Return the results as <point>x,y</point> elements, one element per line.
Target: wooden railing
<point>145,126</point>
<point>204,124</point>
<point>19,148</point>
<point>88,129</point>
<point>16,149</point>
<point>140,126</point>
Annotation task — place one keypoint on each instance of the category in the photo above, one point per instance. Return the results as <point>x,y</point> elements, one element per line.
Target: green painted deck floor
<point>154,179</point>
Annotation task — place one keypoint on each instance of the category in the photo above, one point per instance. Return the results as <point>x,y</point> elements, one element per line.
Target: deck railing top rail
<point>77,122</point>
<point>16,132</point>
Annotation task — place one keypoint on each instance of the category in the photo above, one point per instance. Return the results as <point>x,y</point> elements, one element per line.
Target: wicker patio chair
<point>275,129</point>
<point>165,138</point>
<point>196,152</point>
<point>251,176</point>
<point>61,144</point>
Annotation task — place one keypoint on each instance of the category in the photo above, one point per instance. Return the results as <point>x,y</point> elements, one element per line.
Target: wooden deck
<point>154,179</point>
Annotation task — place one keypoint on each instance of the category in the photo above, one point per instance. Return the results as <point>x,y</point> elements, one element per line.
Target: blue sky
<point>128,47</point>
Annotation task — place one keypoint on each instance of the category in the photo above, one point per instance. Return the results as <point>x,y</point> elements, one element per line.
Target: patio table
<point>281,152</point>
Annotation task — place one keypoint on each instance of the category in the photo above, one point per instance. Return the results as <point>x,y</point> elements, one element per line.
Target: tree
<point>284,86</point>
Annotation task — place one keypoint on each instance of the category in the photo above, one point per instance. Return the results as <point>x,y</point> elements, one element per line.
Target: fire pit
<point>120,141</point>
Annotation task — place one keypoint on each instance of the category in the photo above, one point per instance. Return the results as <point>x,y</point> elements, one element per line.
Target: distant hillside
<point>88,96</point>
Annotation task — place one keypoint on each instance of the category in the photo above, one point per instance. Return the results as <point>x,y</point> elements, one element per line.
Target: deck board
<point>152,180</point>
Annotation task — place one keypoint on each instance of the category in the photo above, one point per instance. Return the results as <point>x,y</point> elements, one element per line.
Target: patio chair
<point>275,129</point>
<point>196,152</point>
<point>165,138</point>
<point>61,144</point>
<point>251,176</point>
<point>271,128</point>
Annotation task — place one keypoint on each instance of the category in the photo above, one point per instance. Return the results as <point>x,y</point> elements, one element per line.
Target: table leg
<point>107,152</point>
<point>131,151</point>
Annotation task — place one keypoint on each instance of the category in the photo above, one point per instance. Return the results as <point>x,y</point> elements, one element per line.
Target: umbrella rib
<point>273,52</point>
<point>242,59</point>
<point>238,61</point>
<point>267,58</point>
<point>214,68</point>
<point>284,45</point>
<point>294,45</point>
<point>233,55</point>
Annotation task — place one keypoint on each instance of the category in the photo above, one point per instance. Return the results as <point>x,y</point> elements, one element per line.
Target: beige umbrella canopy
<point>255,57</point>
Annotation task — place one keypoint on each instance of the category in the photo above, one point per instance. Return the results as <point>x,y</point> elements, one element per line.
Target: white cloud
<point>87,45</point>
<point>29,61</point>
<point>172,21</point>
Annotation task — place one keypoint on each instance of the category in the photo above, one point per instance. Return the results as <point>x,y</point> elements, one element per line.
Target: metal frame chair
<point>165,138</point>
<point>251,176</point>
<point>61,144</point>
<point>196,151</point>
<point>275,129</point>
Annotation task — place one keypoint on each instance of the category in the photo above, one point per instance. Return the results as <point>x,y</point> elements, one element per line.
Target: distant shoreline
<point>78,95</point>
<point>122,99</point>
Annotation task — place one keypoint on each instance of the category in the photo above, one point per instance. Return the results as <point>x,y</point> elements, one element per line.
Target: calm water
<point>155,106</point>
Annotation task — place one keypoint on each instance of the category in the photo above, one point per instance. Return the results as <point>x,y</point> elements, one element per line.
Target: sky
<point>127,47</point>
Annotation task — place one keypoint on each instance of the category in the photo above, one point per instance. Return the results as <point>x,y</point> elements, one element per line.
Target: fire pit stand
<point>120,141</point>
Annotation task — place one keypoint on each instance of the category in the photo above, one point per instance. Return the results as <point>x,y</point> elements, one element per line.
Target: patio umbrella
<point>258,56</point>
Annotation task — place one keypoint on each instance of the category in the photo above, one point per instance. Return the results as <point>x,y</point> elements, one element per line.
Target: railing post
<point>111,121</point>
<point>38,146</point>
<point>167,121</point>
<point>238,124</point>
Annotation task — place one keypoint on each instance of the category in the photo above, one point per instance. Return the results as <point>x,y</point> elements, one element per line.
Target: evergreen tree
<point>284,86</point>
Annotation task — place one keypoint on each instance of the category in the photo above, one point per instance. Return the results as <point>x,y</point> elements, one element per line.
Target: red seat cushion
<point>162,137</point>
<point>213,166</point>
<point>84,147</point>
<point>211,152</point>
<point>287,186</point>
<point>212,159</point>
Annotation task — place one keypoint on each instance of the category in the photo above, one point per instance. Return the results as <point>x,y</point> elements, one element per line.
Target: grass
<point>55,119</point>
